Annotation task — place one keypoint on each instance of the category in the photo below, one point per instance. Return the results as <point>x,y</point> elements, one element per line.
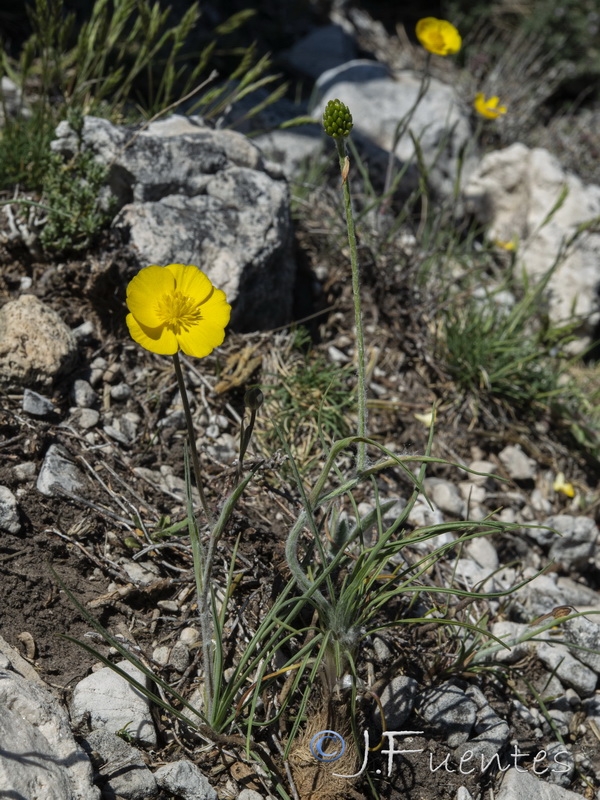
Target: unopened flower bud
<point>253,399</point>
<point>337,119</point>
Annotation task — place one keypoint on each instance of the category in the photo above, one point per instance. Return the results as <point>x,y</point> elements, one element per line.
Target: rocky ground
<point>92,491</point>
<point>94,514</point>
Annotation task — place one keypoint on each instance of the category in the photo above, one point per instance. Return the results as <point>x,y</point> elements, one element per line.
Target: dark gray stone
<point>36,404</point>
<point>123,771</point>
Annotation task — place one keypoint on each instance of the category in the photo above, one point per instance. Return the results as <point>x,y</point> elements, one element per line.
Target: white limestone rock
<point>113,703</point>
<point>378,101</point>
<point>512,192</point>
<point>39,758</point>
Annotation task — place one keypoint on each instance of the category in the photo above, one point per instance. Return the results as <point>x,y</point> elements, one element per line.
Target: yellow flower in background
<point>488,108</point>
<point>438,36</point>
<point>507,245</point>
<point>176,308</point>
<point>560,485</point>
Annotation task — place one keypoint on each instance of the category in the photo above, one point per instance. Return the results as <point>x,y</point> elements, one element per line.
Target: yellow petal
<point>426,419</point>
<point>158,339</point>
<point>510,245</point>
<point>560,485</point>
<point>488,108</point>
<point>201,339</point>
<point>191,281</point>
<point>143,292</point>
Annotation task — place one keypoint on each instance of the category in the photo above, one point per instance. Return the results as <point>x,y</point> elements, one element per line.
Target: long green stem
<point>192,437</point>
<point>202,558</point>
<point>360,342</point>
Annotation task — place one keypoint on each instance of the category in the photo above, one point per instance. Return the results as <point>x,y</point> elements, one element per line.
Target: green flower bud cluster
<point>337,119</point>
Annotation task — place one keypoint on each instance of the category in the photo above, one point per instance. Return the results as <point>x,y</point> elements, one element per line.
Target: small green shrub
<point>72,190</point>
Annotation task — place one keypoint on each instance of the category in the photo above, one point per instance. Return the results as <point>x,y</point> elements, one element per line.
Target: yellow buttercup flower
<point>176,308</point>
<point>438,36</point>
<point>488,108</point>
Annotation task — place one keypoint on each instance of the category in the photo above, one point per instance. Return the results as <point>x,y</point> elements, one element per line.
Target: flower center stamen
<point>178,312</point>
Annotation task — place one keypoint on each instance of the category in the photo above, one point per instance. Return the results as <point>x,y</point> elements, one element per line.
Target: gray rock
<point>423,515</point>
<point>568,669</point>
<point>25,471</point>
<point>36,346</point>
<point>83,394</point>
<point>141,573</point>
<point>59,474</point>
<point>190,636</point>
<point>580,536</point>
<point>518,465</point>
<point>120,392</point>
<point>84,332</point>
<point>450,710</point>
<point>324,48</point>
<point>510,632</point>
<point>192,195</point>
<point>180,657</point>
<point>512,192</point>
<point>379,101</point>
<point>36,404</point>
<point>114,433</point>
<point>113,703</point>
<point>160,655</point>
<point>483,552</point>
<point>398,700</point>
<point>445,496</point>
<point>97,370</point>
<point>185,780</point>
<point>481,466</point>
<point>585,634</point>
<point>470,574</point>
<point>39,758</point>
<point>85,418</point>
<point>492,731</point>
<point>124,428</point>
<point>292,148</point>
<point>548,591</point>
<point>122,768</point>
<point>519,784</point>
<point>9,511</point>
<point>249,794</point>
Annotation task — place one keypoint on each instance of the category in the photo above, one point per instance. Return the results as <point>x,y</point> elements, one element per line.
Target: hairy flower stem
<point>192,438</point>
<point>360,342</point>
<point>202,559</point>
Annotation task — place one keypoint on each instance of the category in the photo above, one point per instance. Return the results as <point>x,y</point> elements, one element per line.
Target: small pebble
<point>190,635</point>
<point>84,331</point>
<point>168,606</point>
<point>36,404</point>
<point>517,463</point>
<point>85,418</point>
<point>161,655</point>
<point>180,657</point>
<point>83,394</point>
<point>25,471</point>
<point>120,392</point>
